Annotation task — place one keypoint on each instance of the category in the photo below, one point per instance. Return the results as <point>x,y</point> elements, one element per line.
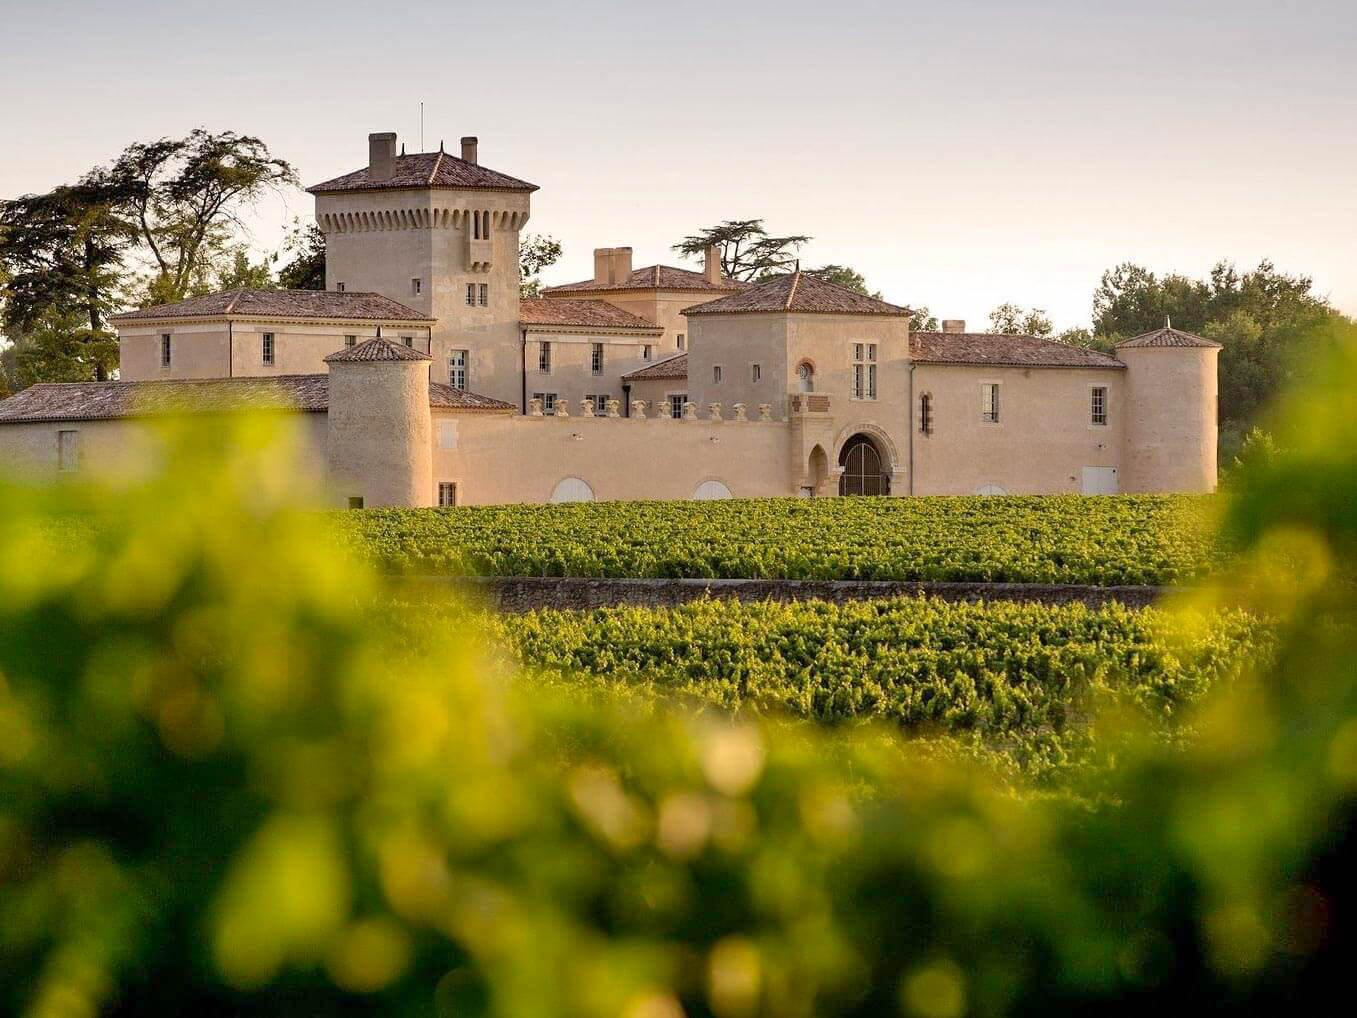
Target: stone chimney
<point>612,264</point>
<point>381,155</point>
<point>469,149</point>
<point>954,325</point>
<point>711,265</point>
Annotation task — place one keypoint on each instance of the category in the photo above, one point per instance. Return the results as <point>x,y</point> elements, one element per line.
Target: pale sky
<point>959,153</point>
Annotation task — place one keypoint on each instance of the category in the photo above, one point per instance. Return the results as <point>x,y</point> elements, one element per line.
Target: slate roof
<point>582,313</point>
<point>1168,337</point>
<point>376,350</point>
<point>655,277</point>
<point>99,401</point>
<point>670,367</point>
<point>427,170</point>
<point>282,304</point>
<point>798,292</point>
<point>999,350</point>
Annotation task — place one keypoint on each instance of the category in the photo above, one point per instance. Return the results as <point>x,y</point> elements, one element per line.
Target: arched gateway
<point>864,471</point>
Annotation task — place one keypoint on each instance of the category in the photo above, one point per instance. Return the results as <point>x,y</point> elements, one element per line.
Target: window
<point>68,451</point>
<point>926,413</point>
<point>682,341</point>
<point>266,347</point>
<point>350,340</point>
<point>676,401</point>
<point>596,358</point>
<point>548,402</point>
<point>339,288</point>
<point>483,294</point>
<point>600,403</point>
<point>471,295</point>
<point>864,371</point>
<point>989,402</point>
<point>416,285</point>
<point>716,374</point>
<point>805,376</point>
<point>165,350</point>
<point>647,351</point>
<point>755,373</point>
<point>480,225</point>
<point>544,357</point>
<point>457,369</point>
<point>408,340</point>
<point>355,501</point>
<point>447,494</point>
<point>1098,408</point>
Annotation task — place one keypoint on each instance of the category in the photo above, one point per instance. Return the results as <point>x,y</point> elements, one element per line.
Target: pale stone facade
<point>420,377</point>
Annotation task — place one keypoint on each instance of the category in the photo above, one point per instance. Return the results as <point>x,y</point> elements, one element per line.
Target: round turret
<point>1170,414</point>
<point>380,425</point>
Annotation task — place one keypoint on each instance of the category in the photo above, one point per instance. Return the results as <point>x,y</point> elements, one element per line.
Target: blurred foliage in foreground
<point>228,786</point>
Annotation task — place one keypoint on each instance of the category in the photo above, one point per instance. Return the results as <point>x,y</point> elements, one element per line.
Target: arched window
<point>572,489</point>
<point>805,376</point>
<point>709,491</point>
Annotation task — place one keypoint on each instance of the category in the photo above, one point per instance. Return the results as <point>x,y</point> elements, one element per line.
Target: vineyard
<point>1021,681</point>
<point>1116,540</point>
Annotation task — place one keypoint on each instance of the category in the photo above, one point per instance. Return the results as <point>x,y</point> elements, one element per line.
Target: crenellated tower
<point>439,233</point>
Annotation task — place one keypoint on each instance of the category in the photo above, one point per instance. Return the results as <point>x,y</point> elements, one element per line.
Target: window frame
<point>68,450</point>
<point>447,495</point>
<point>925,413</point>
<point>464,368</point>
<point>991,409</point>
<point>471,295</point>
<point>166,350</point>
<point>755,374</point>
<point>682,340</point>
<point>267,349</point>
<point>350,339</point>
<point>647,351</point>
<point>548,402</point>
<point>596,358</point>
<point>864,371</point>
<point>676,401</point>
<point>1098,394</point>
<point>716,374</point>
<point>544,356</point>
<point>483,295</point>
<point>339,287</point>
<point>416,285</point>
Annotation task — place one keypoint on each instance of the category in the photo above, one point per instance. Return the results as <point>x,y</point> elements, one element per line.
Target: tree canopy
<point>748,252</point>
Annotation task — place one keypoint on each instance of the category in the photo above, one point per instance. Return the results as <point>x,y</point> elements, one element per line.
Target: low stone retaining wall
<point>524,593</point>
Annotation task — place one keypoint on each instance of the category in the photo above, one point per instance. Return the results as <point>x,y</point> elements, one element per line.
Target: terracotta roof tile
<point>1168,337</point>
<point>282,304</point>
<point>97,401</point>
<point>427,169</point>
<point>670,367</point>
<point>999,350</point>
<point>584,313</point>
<point>798,292</point>
<point>655,277</point>
<point>376,350</point>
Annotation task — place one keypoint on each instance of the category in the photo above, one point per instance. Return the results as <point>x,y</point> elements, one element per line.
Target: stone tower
<point>439,233</point>
<point>380,425</point>
<point>1170,417</point>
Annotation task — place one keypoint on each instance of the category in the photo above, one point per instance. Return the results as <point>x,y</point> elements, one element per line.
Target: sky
<point>958,153</point>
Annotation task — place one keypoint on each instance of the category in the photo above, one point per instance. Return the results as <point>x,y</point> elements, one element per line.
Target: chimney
<point>954,325</point>
<point>711,265</point>
<point>381,155</point>
<point>602,264</point>
<point>469,149</point>
<point>621,265</point>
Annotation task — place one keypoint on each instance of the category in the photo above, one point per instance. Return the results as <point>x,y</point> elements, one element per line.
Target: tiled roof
<point>282,304</point>
<point>427,169</point>
<point>670,367</point>
<point>584,313</point>
<point>1168,337</point>
<point>798,292</point>
<point>655,277</point>
<point>98,401</point>
<point>999,350</point>
<point>374,350</point>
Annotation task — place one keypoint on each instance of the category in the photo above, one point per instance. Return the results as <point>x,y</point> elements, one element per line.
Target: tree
<point>61,258</point>
<point>306,269</point>
<point>60,347</point>
<point>923,320</point>
<point>236,270</point>
<point>185,197</point>
<point>842,275</point>
<point>748,253</point>
<point>1011,319</point>
<point>535,253</point>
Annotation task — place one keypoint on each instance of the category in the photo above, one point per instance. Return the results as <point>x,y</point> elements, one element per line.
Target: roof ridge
<point>438,161</point>
<point>791,292</point>
<point>231,304</point>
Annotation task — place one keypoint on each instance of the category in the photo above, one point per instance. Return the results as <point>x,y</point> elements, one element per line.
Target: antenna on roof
<point>798,265</point>
<point>1168,322</point>
<point>440,145</point>
<point>402,148</point>
<point>421,125</point>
